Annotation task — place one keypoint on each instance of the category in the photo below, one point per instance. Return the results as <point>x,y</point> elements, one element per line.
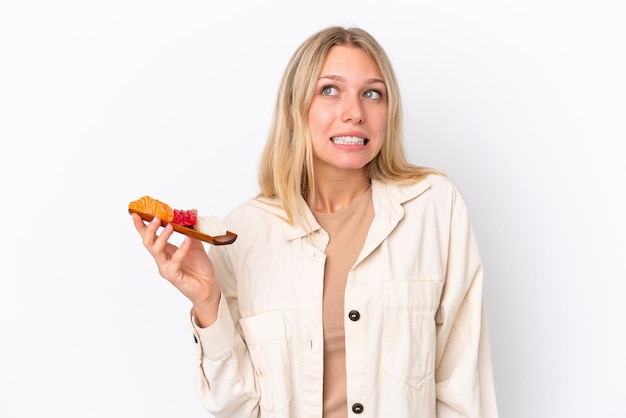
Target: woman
<point>364,296</point>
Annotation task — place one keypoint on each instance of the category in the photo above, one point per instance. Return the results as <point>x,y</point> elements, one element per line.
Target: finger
<point>160,246</point>
<point>140,226</point>
<point>187,244</point>
<point>149,233</point>
<point>154,224</point>
<point>195,244</point>
<point>179,255</point>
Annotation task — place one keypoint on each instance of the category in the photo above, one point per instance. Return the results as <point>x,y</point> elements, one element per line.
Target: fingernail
<point>155,219</point>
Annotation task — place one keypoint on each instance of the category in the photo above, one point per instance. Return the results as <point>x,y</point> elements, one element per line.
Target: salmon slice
<point>147,204</point>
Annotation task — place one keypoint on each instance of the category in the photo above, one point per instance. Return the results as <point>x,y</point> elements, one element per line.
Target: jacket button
<point>354,315</point>
<point>357,408</point>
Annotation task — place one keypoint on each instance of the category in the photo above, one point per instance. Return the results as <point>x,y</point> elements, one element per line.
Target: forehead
<point>342,59</point>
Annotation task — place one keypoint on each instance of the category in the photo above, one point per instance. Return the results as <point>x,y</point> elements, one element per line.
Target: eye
<point>329,90</point>
<point>373,94</point>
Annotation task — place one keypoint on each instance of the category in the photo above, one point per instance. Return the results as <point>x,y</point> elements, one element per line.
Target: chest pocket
<point>267,343</point>
<point>409,331</point>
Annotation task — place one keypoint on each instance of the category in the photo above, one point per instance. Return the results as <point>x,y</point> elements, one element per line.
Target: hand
<point>188,268</point>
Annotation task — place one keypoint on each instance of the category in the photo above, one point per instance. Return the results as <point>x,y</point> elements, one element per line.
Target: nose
<point>352,109</point>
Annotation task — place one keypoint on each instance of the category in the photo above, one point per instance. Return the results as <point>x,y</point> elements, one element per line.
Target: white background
<point>521,103</point>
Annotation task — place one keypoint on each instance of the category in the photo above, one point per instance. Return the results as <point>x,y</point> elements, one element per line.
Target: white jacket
<point>415,333</point>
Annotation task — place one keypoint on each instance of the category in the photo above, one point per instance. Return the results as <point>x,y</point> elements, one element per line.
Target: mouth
<point>349,140</point>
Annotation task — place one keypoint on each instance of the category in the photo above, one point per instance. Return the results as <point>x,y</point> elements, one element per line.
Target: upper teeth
<point>348,140</point>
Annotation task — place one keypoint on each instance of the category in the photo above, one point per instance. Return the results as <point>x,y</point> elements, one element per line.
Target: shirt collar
<point>387,197</point>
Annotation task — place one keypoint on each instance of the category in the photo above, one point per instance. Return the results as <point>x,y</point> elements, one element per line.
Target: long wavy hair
<point>286,166</point>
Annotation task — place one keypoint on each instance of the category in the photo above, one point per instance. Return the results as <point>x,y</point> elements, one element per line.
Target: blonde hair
<point>286,166</point>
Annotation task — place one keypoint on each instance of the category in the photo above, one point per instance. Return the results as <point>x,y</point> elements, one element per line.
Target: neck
<point>335,193</point>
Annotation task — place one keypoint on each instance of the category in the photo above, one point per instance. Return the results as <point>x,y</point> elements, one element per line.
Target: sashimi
<point>205,228</point>
<point>147,204</point>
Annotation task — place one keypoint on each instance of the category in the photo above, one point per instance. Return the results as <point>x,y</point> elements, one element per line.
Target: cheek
<point>382,126</point>
<point>317,121</point>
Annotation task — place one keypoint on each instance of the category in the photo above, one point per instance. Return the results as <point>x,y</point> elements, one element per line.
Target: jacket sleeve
<point>225,377</point>
<point>463,370</point>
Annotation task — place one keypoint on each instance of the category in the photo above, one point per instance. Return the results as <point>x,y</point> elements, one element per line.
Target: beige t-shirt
<point>347,229</point>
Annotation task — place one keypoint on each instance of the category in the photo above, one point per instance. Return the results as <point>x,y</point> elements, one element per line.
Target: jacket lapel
<point>388,199</point>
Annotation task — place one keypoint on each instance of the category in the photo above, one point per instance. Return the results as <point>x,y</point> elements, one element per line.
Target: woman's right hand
<point>187,267</point>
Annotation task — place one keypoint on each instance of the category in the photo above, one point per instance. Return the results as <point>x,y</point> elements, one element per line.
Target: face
<point>348,114</point>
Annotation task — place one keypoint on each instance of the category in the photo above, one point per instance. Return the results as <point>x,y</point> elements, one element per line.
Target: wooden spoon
<point>226,239</point>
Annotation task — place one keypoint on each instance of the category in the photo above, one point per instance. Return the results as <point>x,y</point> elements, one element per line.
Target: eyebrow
<point>372,80</point>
